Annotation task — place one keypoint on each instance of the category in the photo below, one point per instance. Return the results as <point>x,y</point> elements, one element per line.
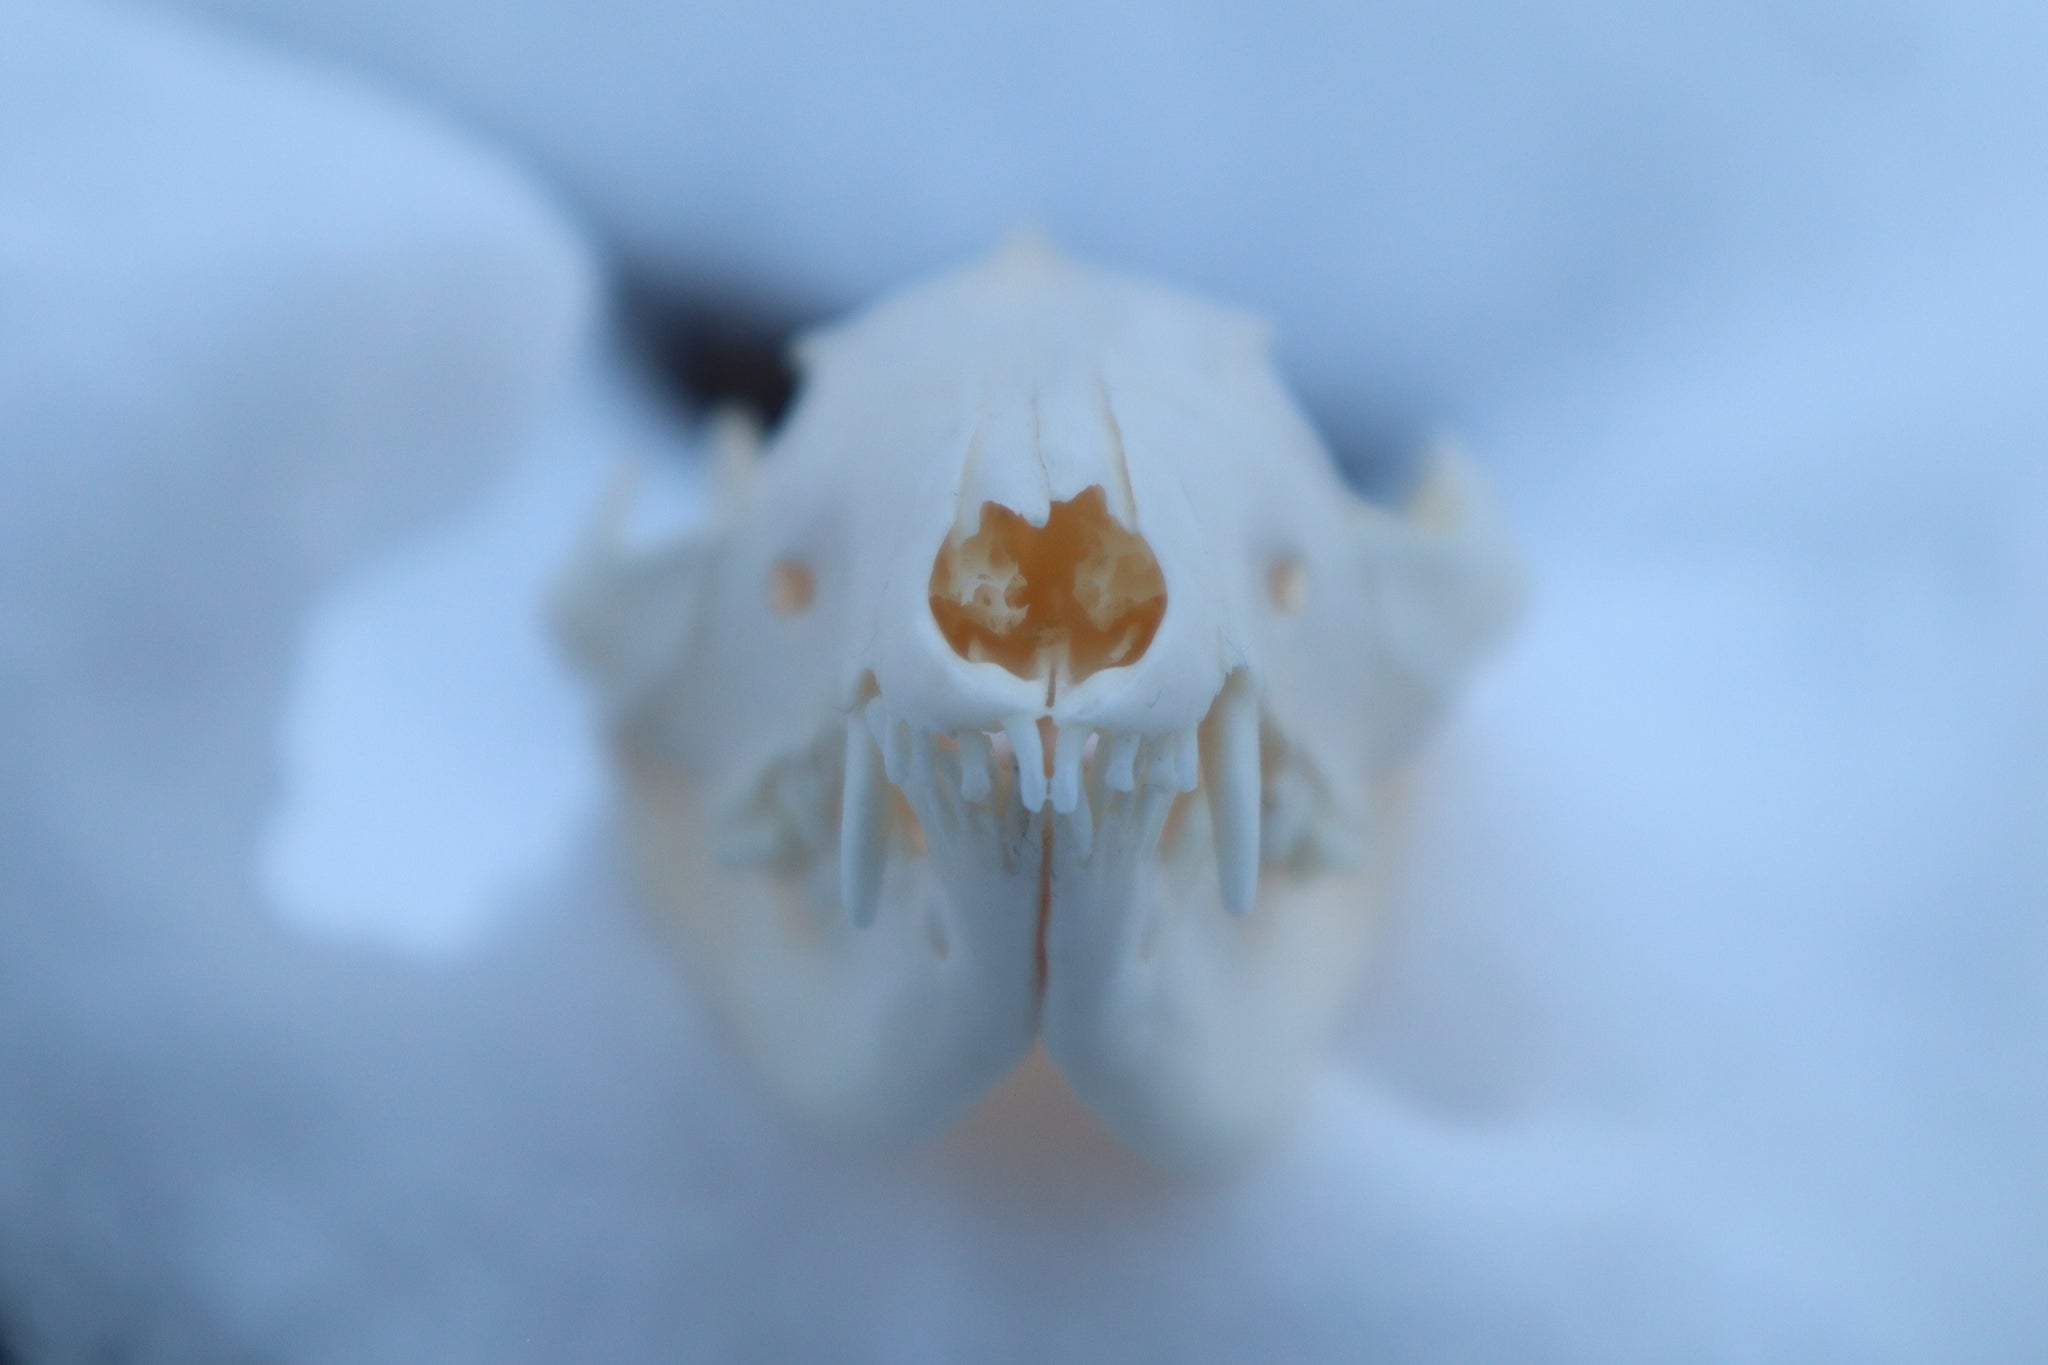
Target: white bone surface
<point>1105,892</point>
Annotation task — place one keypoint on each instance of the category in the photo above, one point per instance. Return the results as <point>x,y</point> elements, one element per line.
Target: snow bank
<point>1713,1028</point>
<point>256,322</point>
<point>1429,201</point>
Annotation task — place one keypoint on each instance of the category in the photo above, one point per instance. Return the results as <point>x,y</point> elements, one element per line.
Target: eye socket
<point>1287,585</point>
<point>791,587</point>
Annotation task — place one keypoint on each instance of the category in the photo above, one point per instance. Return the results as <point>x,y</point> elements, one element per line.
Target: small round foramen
<point>791,587</point>
<point>1287,585</point>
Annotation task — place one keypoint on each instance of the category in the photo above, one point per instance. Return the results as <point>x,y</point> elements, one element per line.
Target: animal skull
<point>1042,682</point>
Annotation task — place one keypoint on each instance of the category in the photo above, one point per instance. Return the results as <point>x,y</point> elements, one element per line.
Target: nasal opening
<point>1063,600</point>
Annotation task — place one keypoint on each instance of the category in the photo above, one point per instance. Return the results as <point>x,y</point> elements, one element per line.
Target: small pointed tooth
<point>895,749</point>
<point>863,825</point>
<point>1081,825</point>
<point>801,796</point>
<point>921,770</point>
<point>974,783</point>
<point>1030,751</point>
<point>1230,753</point>
<point>1161,771</point>
<point>1066,768</point>
<point>1155,803</point>
<point>1338,846</point>
<point>738,843</point>
<point>1187,767</point>
<point>1121,772</point>
<point>1286,814</point>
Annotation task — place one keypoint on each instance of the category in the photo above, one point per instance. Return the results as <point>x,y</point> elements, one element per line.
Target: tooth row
<point>908,756</point>
<point>882,749</point>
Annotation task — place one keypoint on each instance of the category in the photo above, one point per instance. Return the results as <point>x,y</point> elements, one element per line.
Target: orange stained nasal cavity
<point>1065,599</point>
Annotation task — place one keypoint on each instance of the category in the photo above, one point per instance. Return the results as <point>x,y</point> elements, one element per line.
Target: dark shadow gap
<point>711,348</point>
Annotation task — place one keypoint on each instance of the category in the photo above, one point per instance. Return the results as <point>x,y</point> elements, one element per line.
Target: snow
<point>1430,202</point>
<point>1712,1025</point>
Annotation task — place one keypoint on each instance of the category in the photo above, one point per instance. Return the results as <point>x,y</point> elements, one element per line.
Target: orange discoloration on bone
<point>1079,594</point>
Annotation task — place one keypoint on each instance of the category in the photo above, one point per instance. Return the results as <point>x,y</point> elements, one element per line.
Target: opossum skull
<point>1039,681</point>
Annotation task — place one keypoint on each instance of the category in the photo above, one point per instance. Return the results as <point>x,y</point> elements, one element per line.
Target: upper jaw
<point>1141,723</point>
<point>1048,766</point>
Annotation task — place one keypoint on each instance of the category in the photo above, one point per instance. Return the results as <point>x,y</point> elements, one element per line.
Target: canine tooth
<point>863,824</point>
<point>1030,751</point>
<point>1230,753</point>
<point>1066,768</point>
<point>974,783</point>
<point>1120,774</point>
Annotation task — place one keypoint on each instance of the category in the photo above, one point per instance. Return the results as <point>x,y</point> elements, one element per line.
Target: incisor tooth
<point>1066,768</point>
<point>1230,754</point>
<point>1030,751</point>
<point>974,783</point>
<point>863,824</point>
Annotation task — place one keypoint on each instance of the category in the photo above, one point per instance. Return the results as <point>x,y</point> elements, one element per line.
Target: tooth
<point>1155,803</point>
<point>895,741</point>
<point>1161,769</point>
<point>1186,761</point>
<point>1120,774</point>
<point>797,793</point>
<point>863,824</point>
<point>1082,823</point>
<point>1286,819</point>
<point>881,725</point>
<point>974,783</point>
<point>1230,754</point>
<point>1030,751</point>
<point>1066,768</point>
<point>739,842</point>
<point>923,753</point>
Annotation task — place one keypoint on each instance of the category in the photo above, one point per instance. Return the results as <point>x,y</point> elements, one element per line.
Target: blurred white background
<point>1713,1023</point>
